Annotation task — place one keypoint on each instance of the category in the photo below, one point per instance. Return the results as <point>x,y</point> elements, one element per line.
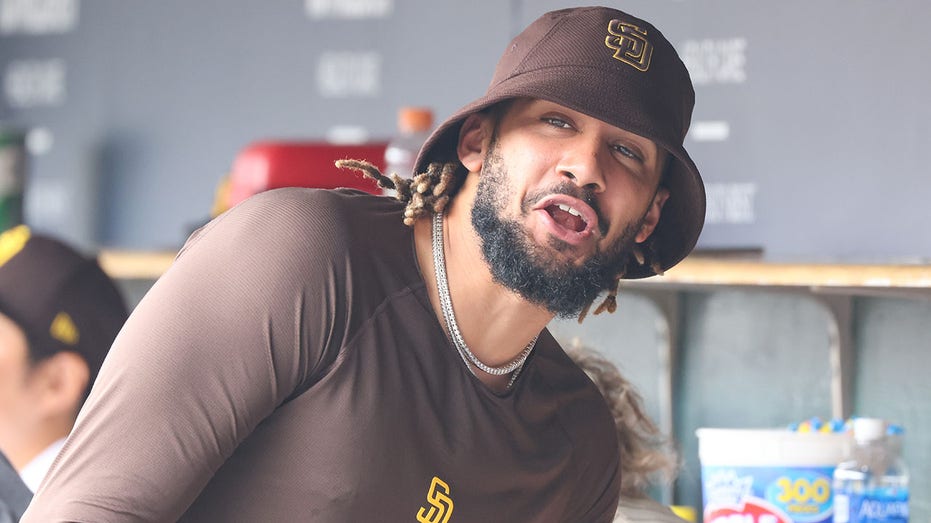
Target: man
<point>59,313</point>
<point>309,357</point>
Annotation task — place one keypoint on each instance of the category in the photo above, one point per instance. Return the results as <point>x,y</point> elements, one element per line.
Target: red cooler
<point>269,165</point>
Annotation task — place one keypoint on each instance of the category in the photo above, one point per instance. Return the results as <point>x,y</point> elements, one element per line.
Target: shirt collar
<point>34,471</point>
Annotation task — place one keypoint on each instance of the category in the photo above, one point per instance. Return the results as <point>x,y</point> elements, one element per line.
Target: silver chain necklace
<point>446,304</point>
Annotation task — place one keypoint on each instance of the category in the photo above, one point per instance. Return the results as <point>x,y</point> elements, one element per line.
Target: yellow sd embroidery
<point>12,241</point>
<point>64,330</point>
<point>630,44</point>
<point>441,505</point>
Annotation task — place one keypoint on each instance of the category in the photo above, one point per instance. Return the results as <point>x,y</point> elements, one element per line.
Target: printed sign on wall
<point>38,17</point>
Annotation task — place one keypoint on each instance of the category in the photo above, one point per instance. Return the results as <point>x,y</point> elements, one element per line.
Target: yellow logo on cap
<point>12,241</point>
<point>630,44</point>
<point>64,330</point>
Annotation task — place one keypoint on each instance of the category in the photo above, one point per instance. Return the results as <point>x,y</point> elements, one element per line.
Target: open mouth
<point>567,216</point>
<point>569,219</point>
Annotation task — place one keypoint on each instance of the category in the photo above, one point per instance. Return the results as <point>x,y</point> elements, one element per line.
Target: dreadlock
<point>426,193</point>
<point>430,191</point>
<point>609,303</point>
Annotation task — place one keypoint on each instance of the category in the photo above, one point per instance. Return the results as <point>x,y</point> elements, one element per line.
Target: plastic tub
<point>768,475</point>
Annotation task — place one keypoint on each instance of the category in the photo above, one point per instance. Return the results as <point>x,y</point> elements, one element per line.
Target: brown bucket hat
<point>615,67</point>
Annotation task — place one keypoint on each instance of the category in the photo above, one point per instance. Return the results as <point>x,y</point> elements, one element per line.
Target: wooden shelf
<point>135,265</point>
<point>716,271</point>
<point>693,271</point>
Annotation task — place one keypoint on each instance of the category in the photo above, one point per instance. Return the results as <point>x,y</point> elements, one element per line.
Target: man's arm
<point>216,345</point>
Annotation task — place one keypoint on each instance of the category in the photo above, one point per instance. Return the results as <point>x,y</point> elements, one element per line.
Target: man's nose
<point>582,165</point>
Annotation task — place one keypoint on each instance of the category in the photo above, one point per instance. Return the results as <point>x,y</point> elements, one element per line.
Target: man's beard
<point>530,270</point>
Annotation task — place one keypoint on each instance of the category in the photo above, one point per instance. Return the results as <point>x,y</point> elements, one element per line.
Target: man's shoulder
<point>299,232</point>
<point>294,217</point>
<point>349,205</point>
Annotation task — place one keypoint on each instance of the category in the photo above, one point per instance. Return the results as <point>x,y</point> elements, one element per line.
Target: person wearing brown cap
<point>59,313</point>
<point>308,356</point>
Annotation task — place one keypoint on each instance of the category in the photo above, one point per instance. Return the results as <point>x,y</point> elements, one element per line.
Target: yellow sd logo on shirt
<point>441,505</point>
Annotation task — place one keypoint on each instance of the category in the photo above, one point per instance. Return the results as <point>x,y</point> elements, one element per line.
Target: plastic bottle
<point>872,485</point>
<point>414,125</point>
<point>12,177</point>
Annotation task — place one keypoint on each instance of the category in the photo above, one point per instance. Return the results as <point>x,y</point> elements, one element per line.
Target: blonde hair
<point>647,455</point>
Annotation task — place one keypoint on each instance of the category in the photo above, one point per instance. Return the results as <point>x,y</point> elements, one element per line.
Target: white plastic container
<point>769,475</point>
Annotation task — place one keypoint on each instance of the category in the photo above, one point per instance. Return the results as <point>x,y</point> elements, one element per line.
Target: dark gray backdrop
<point>810,126</point>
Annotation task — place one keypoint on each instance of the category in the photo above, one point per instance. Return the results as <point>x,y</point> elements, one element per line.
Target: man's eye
<point>628,152</point>
<point>557,122</point>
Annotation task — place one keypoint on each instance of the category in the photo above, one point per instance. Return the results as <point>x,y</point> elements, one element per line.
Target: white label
<point>39,141</point>
<point>347,134</point>
<point>731,203</point>
<point>710,131</point>
<point>716,61</point>
<point>32,83</point>
<point>37,17</point>
<point>349,9</point>
<point>345,74</point>
<point>841,508</point>
<point>48,196</point>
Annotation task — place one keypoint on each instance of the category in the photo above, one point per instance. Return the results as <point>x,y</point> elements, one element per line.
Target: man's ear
<point>62,380</point>
<point>652,217</point>
<point>473,137</point>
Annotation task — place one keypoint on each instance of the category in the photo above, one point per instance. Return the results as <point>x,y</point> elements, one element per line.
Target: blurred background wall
<point>810,126</point>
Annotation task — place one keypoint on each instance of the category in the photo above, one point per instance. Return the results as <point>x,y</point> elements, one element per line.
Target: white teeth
<point>569,210</point>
